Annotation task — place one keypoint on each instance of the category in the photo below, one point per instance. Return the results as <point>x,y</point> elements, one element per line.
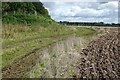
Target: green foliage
<point>27,19</point>
<point>26,13</point>
<point>40,9</point>
<point>24,8</point>
<point>9,19</point>
<point>5,6</point>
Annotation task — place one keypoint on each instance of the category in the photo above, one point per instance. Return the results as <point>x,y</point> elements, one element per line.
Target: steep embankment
<point>101,58</point>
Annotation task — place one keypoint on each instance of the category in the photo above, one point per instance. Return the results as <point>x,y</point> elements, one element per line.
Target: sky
<point>83,11</point>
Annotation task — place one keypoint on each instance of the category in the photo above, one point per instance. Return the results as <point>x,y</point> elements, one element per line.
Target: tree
<point>5,7</point>
<point>40,9</point>
<point>25,7</point>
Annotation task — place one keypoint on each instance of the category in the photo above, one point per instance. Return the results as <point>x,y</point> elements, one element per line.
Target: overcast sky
<point>83,11</point>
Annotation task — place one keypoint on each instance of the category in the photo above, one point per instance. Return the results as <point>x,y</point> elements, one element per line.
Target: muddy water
<point>59,60</point>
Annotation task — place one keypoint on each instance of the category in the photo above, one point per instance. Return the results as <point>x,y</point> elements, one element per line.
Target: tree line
<point>88,24</point>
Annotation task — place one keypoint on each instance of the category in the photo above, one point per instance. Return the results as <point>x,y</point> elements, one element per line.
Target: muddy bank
<point>101,58</point>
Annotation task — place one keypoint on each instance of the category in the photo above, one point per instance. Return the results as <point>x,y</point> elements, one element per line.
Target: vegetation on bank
<point>24,8</point>
<point>21,38</point>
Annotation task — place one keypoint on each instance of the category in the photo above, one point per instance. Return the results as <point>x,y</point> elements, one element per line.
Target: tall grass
<point>24,33</point>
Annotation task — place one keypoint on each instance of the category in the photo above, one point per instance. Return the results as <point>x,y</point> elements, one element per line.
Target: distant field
<point>104,28</point>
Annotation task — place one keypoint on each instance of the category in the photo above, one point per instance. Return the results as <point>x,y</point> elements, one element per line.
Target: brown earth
<point>101,58</point>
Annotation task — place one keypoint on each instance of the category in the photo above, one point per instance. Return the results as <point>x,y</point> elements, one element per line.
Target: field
<point>36,46</point>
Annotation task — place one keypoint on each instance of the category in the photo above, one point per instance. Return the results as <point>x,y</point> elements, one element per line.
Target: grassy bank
<point>20,38</point>
<point>22,43</point>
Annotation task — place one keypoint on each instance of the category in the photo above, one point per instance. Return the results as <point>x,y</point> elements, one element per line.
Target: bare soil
<point>101,57</point>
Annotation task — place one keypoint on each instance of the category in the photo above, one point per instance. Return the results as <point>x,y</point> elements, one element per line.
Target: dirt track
<point>101,57</point>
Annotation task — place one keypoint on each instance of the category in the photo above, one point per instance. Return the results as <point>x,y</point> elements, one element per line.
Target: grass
<point>24,33</point>
<point>85,31</point>
<point>10,54</point>
<point>17,43</point>
<point>15,37</point>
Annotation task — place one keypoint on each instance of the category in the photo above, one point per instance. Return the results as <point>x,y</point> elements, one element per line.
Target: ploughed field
<point>101,58</point>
